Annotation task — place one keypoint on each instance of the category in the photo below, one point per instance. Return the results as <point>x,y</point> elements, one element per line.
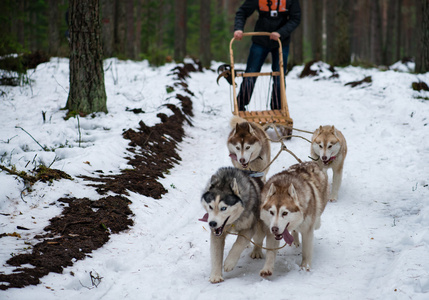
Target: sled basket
<point>265,118</point>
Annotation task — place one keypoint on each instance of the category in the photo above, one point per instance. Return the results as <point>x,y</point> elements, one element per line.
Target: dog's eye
<point>320,146</point>
<point>330,146</point>
<point>284,214</point>
<point>238,148</point>
<point>210,207</point>
<point>223,208</point>
<point>248,147</point>
<point>272,213</point>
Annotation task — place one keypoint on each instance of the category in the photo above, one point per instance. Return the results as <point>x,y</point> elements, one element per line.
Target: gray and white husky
<point>249,146</point>
<point>292,202</point>
<point>232,201</point>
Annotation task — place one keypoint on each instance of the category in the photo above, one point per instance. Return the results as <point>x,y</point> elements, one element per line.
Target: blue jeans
<point>256,59</point>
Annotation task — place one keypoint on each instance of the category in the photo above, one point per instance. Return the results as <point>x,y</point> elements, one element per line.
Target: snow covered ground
<point>373,243</point>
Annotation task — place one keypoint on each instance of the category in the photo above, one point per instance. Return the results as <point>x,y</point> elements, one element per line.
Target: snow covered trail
<point>373,242</point>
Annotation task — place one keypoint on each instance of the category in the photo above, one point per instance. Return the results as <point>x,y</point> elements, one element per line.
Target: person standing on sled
<point>280,18</point>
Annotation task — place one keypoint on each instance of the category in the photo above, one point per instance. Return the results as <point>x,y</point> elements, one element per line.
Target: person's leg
<point>255,60</point>
<point>275,95</point>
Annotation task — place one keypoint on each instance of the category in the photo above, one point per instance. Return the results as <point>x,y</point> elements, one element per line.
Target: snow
<point>373,243</point>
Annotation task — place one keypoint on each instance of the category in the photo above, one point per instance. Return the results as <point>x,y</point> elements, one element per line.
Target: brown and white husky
<point>292,203</point>
<point>249,146</point>
<point>329,149</point>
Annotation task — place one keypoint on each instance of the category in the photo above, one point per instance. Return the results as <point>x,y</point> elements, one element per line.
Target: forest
<point>340,32</point>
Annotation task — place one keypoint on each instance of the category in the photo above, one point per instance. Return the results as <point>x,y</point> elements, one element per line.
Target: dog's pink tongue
<point>287,237</point>
<point>204,218</point>
<point>233,156</point>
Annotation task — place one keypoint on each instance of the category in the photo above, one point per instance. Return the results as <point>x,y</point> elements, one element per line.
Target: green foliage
<point>220,36</point>
<point>193,28</point>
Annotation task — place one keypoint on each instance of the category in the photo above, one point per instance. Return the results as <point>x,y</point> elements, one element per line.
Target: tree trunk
<point>130,32</point>
<point>422,60</point>
<point>316,28</point>
<point>180,31</point>
<point>375,36</point>
<point>87,92</point>
<point>296,47</point>
<point>360,31</point>
<point>138,31</point>
<point>342,37</point>
<point>391,54</point>
<point>120,28</point>
<point>53,28</point>
<point>205,41</point>
<point>108,27</point>
<point>330,12</point>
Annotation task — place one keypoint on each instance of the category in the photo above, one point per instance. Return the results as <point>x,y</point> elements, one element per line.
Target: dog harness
<point>278,5</point>
<point>330,161</point>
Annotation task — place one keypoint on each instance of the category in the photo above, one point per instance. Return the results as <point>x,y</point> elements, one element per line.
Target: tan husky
<point>293,202</point>
<point>249,146</point>
<point>329,148</point>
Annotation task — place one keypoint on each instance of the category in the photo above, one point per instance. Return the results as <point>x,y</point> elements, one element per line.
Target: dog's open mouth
<point>245,165</point>
<point>219,231</point>
<point>286,236</point>
<point>330,160</point>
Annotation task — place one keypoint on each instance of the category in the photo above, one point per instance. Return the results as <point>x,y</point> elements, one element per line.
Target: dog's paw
<point>333,197</point>
<point>256,253</point>
<point>216,278</point>
<point>229,265</point>
<point>266,273</point>
<point>295,238</point>
<point>305,266</point>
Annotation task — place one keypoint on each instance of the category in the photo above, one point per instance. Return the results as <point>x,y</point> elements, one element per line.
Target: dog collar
<point>330,161</point>
<point>257,174</point>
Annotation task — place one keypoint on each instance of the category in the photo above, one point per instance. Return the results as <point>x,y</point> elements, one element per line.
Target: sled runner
<point>266,118</point>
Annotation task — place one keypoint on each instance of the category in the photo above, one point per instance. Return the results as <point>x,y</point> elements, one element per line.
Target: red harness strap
<point>269,5</point>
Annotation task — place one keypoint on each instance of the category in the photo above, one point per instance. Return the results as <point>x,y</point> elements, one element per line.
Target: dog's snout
<point>324,158</point>
<point>242,160</point>
<point>275,230</point>
<point>212,224</point>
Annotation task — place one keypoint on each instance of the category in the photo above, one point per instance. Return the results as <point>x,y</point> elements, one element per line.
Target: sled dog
<point>329,148</point>
<point>249,146</point>
<point>292,202</point>
<point>232,201</point>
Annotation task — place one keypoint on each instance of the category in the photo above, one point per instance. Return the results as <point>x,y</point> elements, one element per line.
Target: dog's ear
<point>272,190</point>
<point>335,132</point>
<point>237,128</point>
<point>251,130</point>
<point>316,133</point>
<point>234,187</point>
<point>213,181</point>
<point>292,192</point>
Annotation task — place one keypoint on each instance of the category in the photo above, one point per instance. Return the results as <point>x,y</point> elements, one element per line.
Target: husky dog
<point>232,201</point>
<point>329,148</point>
<point>249,146</point>
<point>293,201</point>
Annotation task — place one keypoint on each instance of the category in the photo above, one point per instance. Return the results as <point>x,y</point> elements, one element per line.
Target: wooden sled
<point>266,118</point>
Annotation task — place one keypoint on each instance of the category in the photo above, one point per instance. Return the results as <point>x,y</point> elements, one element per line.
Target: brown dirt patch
<point>85,225</point>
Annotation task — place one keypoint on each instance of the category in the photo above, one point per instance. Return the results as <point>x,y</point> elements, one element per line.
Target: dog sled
<point>266,118</point>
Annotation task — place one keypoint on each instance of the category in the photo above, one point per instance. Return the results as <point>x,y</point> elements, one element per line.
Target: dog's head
<point>243,144</point>
<point>223,204</point>
<point>326,143</point>
<point>280,211</point>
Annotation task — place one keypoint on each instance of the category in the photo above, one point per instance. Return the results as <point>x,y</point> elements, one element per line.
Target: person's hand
<point>238,35</point>
<point>274,36</point>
